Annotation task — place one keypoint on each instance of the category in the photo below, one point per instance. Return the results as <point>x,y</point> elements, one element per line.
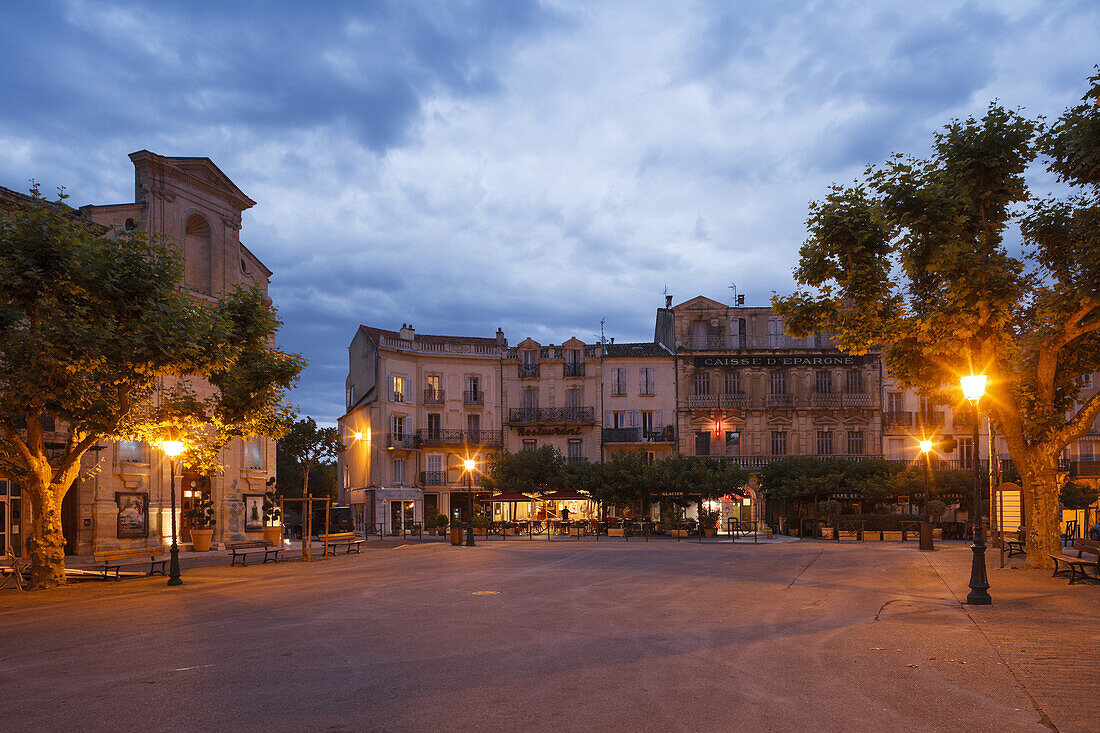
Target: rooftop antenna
<point>603,339</point>
<point>737,299</point>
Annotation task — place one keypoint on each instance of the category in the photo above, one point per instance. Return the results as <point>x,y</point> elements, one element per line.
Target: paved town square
<point>562,636</point>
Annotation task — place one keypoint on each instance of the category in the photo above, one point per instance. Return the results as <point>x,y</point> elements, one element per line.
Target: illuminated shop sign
<point>547,431</point>
<point>779,361</point>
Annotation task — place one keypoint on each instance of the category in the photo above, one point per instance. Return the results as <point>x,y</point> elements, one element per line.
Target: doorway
<point>68,518</point>
<point>192,488</point>
<point>401,513</point>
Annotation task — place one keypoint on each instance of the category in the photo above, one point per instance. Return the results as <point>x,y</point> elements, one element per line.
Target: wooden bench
<point>115,560</point>
<point>1077,565</point>
<point>341,538</point>
<point>1017,546</point>
<point>247,547</point>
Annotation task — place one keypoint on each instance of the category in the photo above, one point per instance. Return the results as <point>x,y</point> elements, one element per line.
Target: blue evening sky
<point>536,166</point>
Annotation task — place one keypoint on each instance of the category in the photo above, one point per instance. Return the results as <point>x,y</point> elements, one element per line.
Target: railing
<point>734,400</point>
<point>780,401</point>
<point>829,400</point>
<point>702,401</point>
<point>574,369</point>
<point>933,419</point>
<point>556,352</point>
<point>433,478</point>
<point>729,401</point>
<point>528,371</point>
<point>403,441</point>
<point>745,342</point>
<point>473,398</point>
<point>856,399</point>
<point>459,437</point>
<point>435,347</point>
<point>520,415</point>
<point>897,419</point>
<point>637,435</point>
<point>433,397</point>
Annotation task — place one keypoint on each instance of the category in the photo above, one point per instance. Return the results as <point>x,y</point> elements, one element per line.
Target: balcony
<point>459,437</point>
<point>703,401</point>
<point>473,398</point>
<point>433,396</point>
<point>638,435</point>
<point>747,342</point>
<point>433,478</point>
<point>574,370</point>
<point>826,400</point>
<point>552,415</point>
<point>528,371</point>
<point>401,441</point>
<point>900,419</point>
<point>930,419</point>
<point>780,401</point>
<point>856,400</point>
<point>734,401</point>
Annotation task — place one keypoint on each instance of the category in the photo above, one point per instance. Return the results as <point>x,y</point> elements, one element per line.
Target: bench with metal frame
<point>1017,546</point>
<point>248,547</point>
<point>115,560</point>
<point>1077,565</point>
<point>13,573</point>
<point>336,539</point>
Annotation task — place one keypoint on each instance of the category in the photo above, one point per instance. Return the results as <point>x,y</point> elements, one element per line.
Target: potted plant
<point>710,522</point>
<point>457,530</point>
<point>202,521</point>
<point>273,514</point>
<point>935,509</point>
<point>830,509</point>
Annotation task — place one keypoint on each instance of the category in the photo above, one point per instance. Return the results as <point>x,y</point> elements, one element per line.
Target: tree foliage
<point>309,446</point>
<point>96,333</point>
<point>912,260</point>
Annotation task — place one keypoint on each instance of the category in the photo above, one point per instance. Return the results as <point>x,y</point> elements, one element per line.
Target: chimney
<point>612,339</point>
<point>668,301</point>
<point>501,341</point>
<point>407,332</point>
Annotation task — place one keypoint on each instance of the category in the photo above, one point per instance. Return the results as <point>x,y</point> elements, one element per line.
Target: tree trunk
<point>46,546</point>
<point>305,479</point>
<point>1043,518</point>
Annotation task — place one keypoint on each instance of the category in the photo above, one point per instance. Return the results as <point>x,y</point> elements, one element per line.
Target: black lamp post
<point>973,388</point>
<point>468,464</point>
<point>172,447</point>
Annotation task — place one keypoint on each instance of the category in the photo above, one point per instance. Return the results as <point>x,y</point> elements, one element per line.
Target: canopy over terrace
<point>579,505</point>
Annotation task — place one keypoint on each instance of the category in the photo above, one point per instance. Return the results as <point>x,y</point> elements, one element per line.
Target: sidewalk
<point>1046,631</point>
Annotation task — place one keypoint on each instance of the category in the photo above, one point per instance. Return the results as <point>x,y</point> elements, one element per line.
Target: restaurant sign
<point>547,431</point>
<point>779,361</point>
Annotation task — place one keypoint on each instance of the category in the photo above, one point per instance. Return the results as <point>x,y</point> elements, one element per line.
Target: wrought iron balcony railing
<point>781,401</point>
<point>930,419</point>
<point>734,400</point>
<point>858,400</point>
<point>900,419</point>
<point>459,437</point>
<point>533,415</point>
<point>702,401</point>
<point>433,397</point>
<point>433,478</point>
<point>638,435</point>
<point>528,371</point>
<point>473,398</point>
<point>401,441</point>
<point>827,400</point>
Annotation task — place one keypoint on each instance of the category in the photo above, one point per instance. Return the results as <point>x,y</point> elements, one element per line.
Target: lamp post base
<point>174,566</point>
<point>979,583</point>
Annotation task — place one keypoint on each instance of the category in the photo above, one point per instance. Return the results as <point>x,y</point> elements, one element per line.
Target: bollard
<point>926,537</point>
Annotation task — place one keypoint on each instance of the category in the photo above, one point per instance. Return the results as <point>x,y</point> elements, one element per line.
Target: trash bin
<point>926,537</point>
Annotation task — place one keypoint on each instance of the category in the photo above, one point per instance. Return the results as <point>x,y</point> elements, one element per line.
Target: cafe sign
<point>780,361</point>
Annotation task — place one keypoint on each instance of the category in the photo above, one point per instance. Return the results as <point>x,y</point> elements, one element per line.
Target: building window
<point>645,381</point>
<point>618,419</point>
<point>647,422</point>
<point>433,390</point>
<point>618,381</point>
<point>351,396</point>
<point>824,443</point>
<point>895,402</point>
<point>573,401</point>
<point>398,391</point>
<point>702,382</point>
<point>966,452</point>
<point>473,426</point>
<point>855,382</point>
<point>574,451</point>
<point>473,387</point>
<point>778,383</point>
<point>823,383</point>
<point>254,454</point>
<point>733,443</point>
<point>399,471</point>
<point>530,398</point>
<point>733,383</point>
<point>435,425</point>
<point>855,442</point>
<point>397,426</point>
<point>530,445</point>
<point>779,443</point>
<point>702,444</point>
<point>131,451</point>
<point>347,477</point>
<point>775,335</point>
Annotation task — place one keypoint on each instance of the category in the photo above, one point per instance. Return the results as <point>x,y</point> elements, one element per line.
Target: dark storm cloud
<point>535,166</point>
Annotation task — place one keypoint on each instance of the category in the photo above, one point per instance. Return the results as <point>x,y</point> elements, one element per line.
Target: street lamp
<point>468,464</point>
<point>973,388</point>
<point>172,447</point>
<point>925,449</point>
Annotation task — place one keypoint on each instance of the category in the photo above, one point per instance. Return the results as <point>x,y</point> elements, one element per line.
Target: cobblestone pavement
<point>608,636</point>
<point>1046,631</point>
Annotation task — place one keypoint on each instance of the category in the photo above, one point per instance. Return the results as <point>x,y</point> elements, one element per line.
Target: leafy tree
<point>1077,496</point>
<point>308,446</point>
<point>96,333</point>
<point>912,260</point>
<point>539,470</point>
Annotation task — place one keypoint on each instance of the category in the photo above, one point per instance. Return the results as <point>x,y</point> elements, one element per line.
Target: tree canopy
<point>96,333</point>
<point>918,259</point>
<point>309,446</point>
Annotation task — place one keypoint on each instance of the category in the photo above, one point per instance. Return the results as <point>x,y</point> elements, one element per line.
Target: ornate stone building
<point>191,202</point>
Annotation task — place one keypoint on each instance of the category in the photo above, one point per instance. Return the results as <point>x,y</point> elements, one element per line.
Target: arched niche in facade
<point>197,255</point>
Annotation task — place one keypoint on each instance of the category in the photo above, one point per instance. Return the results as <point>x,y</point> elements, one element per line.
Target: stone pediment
<point>699,303</point>
<point>856,420</point>
<point>573,343</point>
<point>194,171</point>
<point>824,420</point>
<point>528,343</point>
<point>778,419</point>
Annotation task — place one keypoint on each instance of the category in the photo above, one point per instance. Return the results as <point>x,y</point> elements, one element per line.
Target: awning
<point>510,496</point>
<point>565,495</point>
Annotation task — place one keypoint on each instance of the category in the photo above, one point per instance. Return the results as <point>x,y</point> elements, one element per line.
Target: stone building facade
<point>191,202</point>
<point>639,399</point>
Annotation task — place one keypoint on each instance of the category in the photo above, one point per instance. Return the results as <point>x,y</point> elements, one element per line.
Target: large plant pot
<point>826,533</point>
<point>200,539</point>
<point>711,532</point>
<point>273,535</point>
<point>456,535</point>
<point>615,532</point>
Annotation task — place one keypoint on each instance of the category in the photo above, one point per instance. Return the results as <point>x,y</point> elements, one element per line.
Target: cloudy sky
<point>536,166</point>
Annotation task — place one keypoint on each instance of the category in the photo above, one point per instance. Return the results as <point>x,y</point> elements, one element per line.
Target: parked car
<point>339,518</point>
